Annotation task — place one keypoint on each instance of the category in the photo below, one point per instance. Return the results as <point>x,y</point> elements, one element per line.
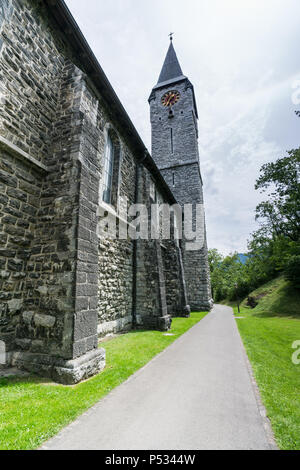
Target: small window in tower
<point>173,179</point>
<point>172,145</point>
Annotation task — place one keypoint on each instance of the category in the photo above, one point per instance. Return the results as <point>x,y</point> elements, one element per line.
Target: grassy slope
<point>268,332</point>
<point>32,410</point>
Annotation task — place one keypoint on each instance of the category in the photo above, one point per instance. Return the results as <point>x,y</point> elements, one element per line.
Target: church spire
<point>171,68</point>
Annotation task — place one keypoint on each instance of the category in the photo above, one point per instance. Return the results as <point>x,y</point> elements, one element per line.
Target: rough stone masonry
<point>61,125</point>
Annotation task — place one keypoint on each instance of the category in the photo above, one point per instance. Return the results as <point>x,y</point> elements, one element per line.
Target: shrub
<point>251,302</point>
<point>292,270</point>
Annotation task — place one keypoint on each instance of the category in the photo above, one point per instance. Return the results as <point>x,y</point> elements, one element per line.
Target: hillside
<point>276,298</point>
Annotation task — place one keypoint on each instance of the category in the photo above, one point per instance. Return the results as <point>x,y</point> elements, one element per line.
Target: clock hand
<point>169,100</point>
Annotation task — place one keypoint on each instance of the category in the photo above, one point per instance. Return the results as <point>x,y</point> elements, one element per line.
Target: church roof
<point>171,68</point>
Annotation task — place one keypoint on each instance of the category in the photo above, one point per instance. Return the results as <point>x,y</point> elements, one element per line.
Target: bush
<point>292,270</point>
<point>219,294</point>
<point>251,302</point>
<point>239,292</point>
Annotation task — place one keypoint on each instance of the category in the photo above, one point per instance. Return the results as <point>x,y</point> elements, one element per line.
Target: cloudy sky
<point>243,59</point>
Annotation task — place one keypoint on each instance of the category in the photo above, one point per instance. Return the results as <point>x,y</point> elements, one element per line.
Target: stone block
<point>81,303</point>
<point>84,345</point>
<point>86,290</point>
<point>80,369</point>
<point>46,321</point>
<point>85,324</point>
<point>68,372</point>
<point>27,317</point>
<point>23,343</point>
<point>14,305</point>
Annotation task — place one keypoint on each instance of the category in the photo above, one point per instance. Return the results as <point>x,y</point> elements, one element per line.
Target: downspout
<point>134,255</point>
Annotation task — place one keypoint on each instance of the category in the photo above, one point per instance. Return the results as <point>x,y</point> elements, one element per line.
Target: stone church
<point>69,153</point>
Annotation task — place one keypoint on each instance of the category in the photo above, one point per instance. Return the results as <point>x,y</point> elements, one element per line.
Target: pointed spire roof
<point>171,68</point>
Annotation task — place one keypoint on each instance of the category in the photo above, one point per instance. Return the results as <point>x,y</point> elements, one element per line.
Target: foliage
<point>226,276</point>
<point>292,270</point>
<point>277,242</point>
<point>281,212</point>
<point>275,247</point>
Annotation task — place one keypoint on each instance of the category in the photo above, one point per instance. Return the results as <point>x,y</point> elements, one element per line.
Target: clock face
<point>170,98</point>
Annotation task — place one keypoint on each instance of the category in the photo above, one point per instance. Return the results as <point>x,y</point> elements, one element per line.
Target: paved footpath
<point>197,394</point>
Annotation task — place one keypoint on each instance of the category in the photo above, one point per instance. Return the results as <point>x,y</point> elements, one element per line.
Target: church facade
<point>69,154</point>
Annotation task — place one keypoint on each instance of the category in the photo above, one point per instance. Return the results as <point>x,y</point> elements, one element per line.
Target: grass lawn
<point>32,410</point>
<point>268,332</point>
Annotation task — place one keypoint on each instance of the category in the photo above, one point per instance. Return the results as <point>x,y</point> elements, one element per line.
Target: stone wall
<point>158,271</point>
<point>115,285</point>
<point>30,77</point>
<point>31,115</point>
<point>47,113</point>
<point>62,284</point>
<point>19,203</point>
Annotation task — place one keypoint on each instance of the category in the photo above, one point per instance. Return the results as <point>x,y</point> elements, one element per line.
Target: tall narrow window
<point>108,170</point>
<point>173,179</point>
<point>171,136</point>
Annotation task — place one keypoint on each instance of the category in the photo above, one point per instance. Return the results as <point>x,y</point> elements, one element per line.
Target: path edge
<point>261,407</point>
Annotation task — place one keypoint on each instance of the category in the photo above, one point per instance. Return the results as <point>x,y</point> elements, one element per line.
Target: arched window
<point>108,170</point>
<point>111,169</point>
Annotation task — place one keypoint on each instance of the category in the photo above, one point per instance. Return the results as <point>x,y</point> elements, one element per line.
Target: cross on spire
<point>171,36</point>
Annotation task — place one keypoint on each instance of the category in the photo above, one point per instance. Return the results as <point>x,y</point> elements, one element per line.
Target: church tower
<point>174,122</point>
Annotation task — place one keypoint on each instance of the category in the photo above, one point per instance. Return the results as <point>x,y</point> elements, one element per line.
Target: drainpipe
<point>134,256</point>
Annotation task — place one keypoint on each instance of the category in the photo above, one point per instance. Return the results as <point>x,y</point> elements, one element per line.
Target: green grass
<point>32,410</point>
<point>268,332</point>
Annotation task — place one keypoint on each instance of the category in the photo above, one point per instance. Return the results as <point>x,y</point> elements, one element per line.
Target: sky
<point>243,60</point>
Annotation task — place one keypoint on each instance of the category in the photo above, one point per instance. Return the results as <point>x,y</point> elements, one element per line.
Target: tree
<point>275,247</point>
<point>227,278</point>
<point>214,259</point>
<point>281,212</point>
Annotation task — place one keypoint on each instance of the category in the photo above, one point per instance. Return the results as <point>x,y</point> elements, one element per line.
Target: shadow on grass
<point>264,314</point>
<point>14,380</point>
<point>131,335</point>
